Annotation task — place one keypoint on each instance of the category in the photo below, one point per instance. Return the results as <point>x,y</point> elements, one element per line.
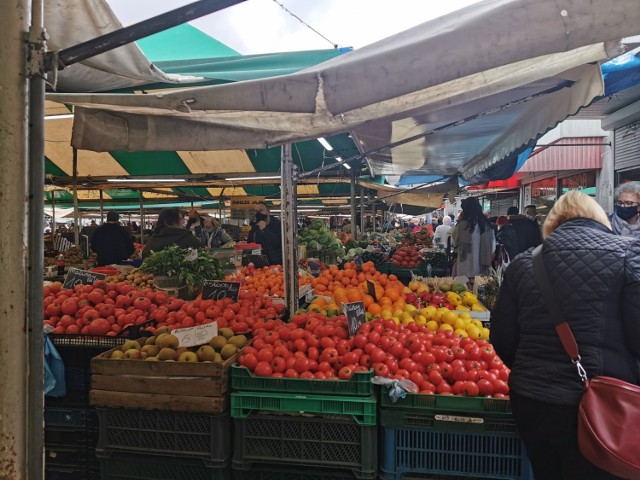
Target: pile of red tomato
<point>406,257</point>
<point>107,309</point>
<point>313,346</point>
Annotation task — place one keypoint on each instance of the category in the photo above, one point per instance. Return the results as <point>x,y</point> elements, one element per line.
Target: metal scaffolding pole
<point>101,207</point>
<point>14,341</point>
<point>141,218</point>
<point>53,213</point>
<point>354,227</point>
<point>288,207</point>
<point>362,198</point>
<point>372,199</point>
<point>76,214</point>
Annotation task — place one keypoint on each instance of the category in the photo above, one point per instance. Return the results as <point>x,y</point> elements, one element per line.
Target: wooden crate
<point>171,386</point>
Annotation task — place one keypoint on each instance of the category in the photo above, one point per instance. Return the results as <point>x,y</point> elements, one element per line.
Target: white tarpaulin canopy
<point>534,60</point>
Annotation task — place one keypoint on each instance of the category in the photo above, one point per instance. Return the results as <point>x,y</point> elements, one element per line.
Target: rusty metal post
<point>288,215</point>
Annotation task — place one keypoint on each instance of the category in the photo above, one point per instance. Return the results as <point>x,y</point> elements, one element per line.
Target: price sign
<point>75,276</point>
<point>355,316</point>
<point>194,336</point>
<point>217,290</point>
<point>371,288</point>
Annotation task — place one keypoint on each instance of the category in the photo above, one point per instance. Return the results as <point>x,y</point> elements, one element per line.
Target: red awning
<point>584,153</point>
<point>508,184</point>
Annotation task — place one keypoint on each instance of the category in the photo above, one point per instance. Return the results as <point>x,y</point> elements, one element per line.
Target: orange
<point>374,309</point>
<point>367,300</point>
<point>392,293</point>
<point>354,295</point>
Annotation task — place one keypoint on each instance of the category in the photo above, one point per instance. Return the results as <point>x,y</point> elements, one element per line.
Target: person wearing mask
<point>213,235</point>
<point>590,270</point>
<point>112,242</point>
<point>195,223</point>
<point>507,236</point>
<point>267,231</point>
<point>624,220</point>
<point>528,230</point>
<point>443,232</point>
<point>473,240</point>
<point>169,231</point>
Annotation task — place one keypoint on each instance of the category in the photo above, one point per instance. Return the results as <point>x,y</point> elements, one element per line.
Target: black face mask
<point>260,216</point>
<point>626,213</point>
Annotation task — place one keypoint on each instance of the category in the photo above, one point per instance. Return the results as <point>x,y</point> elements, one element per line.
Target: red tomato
<point>345,373</point>
<point>99,326</point>
<point>263,369</point>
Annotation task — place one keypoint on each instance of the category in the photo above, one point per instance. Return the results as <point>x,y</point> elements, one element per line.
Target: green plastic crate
<point>310,442</point>
<point>359,384</point>
<point>361,409</point>
<point>449,403</point>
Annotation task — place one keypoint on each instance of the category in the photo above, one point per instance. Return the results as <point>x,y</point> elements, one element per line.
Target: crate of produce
<point>169,386</point>
<point>166,467</point>
<point>361,409</point>
<point>300,441</point>
<point>359,384</point>
<point>408,453</point>
<point>70,418</point>
<point>446,403</point>
<point>206,437</point>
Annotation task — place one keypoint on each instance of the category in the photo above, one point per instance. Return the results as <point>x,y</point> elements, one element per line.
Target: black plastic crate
<point>338,443</point>
<point>72,474</point>
<point>70,417</point>
<point>69,437</point>
<point>146,467</point>
<point>151,432</point>
<point>272,472</point>
<point>70,458</point>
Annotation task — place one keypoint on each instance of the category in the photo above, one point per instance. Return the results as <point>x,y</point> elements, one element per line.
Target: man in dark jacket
<point>595,276</point>
<point>170,232</point>
<point>528,231</point>
<point>111,242</point>
<point>267,231</point>
<point>507,236</point>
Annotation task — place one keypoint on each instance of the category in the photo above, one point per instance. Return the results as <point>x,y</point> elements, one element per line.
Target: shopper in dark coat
<point>595,276</point>
<point>169,232</point>
<point>267,231</point>
<point>527,229</point>
<point>507,236</point>
<point>111,242</point>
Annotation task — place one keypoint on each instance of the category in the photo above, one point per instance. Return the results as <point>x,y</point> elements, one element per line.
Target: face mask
<point>531,217</point>
<point>626,213</point>
<point>260,216</point>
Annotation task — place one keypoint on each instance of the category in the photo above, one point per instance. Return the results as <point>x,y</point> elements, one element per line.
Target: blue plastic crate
<point>407,452</point>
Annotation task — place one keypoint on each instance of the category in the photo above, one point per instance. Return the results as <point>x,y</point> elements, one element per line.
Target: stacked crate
<point>162,420</point>
<point>470,437</point>
<point>71,424</point>
<point>298,423</point>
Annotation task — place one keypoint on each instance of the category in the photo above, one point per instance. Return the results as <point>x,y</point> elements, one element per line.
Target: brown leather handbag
<point>609,411</point>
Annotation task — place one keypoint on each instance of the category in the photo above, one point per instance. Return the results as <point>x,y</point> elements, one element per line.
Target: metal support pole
<point>14,341</point>
<point>362,222</point>
<point>141,218</point>
<point>35,272</point>
<point>288,207</point>
<point>53,213</point>
<point>101,207</point>
<point>354,227</point>
<point>372,199</point>
<point>76,215</point>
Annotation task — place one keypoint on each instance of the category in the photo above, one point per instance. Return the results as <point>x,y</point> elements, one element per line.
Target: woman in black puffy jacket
<point>595,276</point>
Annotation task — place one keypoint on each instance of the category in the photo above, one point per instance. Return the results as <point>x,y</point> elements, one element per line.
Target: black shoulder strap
<point>562,327</point>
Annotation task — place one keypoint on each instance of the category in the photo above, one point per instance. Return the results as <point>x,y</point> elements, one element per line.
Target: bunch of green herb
<point>177,262</point>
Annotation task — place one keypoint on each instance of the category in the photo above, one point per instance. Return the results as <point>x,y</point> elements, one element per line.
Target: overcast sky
<point>262,26</point>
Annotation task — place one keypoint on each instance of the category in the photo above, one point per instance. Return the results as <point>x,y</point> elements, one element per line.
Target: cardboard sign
<point>194,336</point>
<point>371,288</point>
<point>75,276</point>
<point>217,290</point>
<point>242,208</point>
<point>355,316</point>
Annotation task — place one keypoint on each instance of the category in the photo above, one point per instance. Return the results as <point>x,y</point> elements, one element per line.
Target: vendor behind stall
<point>169,231</point>
<point>267,231</point>
<point>213,235</point>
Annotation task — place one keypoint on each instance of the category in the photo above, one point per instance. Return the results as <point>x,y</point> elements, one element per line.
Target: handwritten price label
<point>355,316</point>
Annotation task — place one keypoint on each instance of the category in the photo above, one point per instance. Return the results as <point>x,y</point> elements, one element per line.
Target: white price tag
<point>194,336</point>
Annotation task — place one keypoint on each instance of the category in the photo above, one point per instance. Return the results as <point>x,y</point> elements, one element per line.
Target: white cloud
<point>262,26</point>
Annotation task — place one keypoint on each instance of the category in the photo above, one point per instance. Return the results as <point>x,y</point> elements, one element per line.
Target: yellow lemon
<point>386,314</point>
<point>428,312</point>
<point>449,317</point>
<point>461,332</point>
<point>432,325</point>
<point>474,332</point>
<point>465,315</point>
<point>459,324</point>
<point>446,326</point>
<point>486,333</point>
<point>420,320</point>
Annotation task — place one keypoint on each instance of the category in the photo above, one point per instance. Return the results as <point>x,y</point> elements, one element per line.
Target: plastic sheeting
<point>480,59</point>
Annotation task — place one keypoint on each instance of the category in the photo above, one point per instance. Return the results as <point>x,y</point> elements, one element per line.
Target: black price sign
<point>217,290</point>
<point>75,276</point>
<point>355,316</point>
<point>371,288</point>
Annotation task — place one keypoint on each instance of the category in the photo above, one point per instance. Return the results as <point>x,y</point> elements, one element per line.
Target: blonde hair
<point>574,204</point>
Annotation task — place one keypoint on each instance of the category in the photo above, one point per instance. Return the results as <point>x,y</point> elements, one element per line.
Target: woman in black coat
<point>595,276</point>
